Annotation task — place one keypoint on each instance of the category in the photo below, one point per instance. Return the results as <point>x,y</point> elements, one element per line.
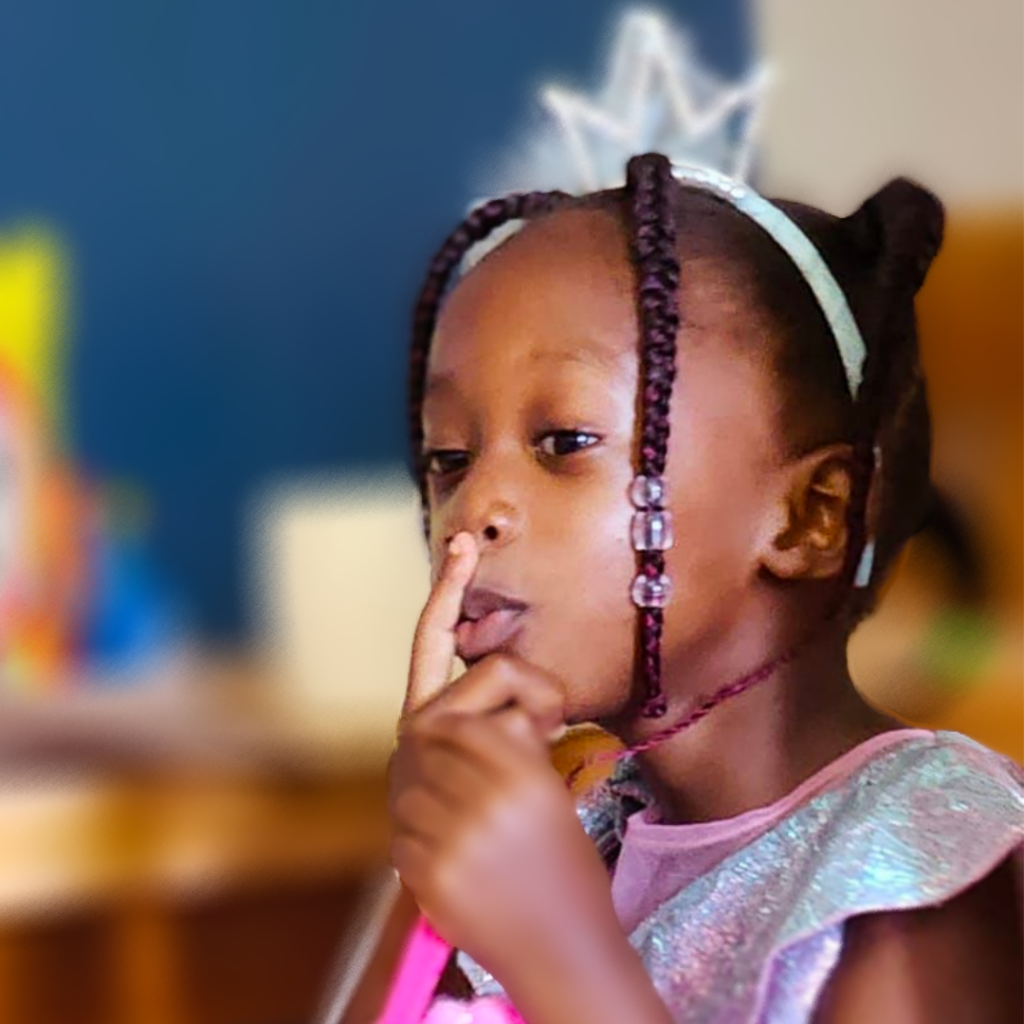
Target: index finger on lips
<point>433,646</point>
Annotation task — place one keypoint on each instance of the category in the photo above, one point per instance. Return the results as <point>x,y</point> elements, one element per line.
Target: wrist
<point>593,974</point>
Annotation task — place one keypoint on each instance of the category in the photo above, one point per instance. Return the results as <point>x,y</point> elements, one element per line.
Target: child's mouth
<point>489,623</point>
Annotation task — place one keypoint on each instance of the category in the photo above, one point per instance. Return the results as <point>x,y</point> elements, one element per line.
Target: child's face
<point>532,398</point>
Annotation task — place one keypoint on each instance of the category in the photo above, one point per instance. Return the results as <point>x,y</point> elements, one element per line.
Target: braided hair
<point>651,191</point>
<point>879,255</point>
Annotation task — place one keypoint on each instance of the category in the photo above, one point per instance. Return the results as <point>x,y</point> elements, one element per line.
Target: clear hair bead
<point>651,591</point>
<point>647,491</point>
<point>652,530</point>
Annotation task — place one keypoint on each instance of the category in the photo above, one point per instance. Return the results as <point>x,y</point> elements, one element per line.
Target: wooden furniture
<point>186,860</point>
<point>163,868</point>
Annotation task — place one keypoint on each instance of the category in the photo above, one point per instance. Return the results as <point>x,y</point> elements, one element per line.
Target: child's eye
<point>445,460</point>
<point>566,442</point>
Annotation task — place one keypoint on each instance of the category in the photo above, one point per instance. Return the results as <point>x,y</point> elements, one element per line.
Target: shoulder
<point>955,962</point>
<point>912,828</point>
<point>922,822</point>
<point>950,761</point>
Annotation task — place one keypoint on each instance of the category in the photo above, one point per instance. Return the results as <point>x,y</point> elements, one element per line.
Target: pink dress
<point>657,861</point>
<point>908,818</point>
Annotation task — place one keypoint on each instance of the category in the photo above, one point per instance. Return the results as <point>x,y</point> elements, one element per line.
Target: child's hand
<point>485,833</point>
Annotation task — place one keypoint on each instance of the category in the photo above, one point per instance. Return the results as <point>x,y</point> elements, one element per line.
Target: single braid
<point>475,228</point>
<point>881,254</point>
<point>650,190</point>
<point>891,393</point>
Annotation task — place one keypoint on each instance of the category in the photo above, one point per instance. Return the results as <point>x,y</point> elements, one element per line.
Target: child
<point>777,849</point>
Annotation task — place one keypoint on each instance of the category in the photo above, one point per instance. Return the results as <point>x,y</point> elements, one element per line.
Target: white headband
<point>801,251</point>
<point>811,264</point>
<point>787,236</point>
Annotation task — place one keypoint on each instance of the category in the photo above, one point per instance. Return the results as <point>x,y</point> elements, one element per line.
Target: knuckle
<point>404,805</point>
<point>402,757</point>
<point>411,730</point>
<point>447,876</point>
<point>460,728</point>
<point>502,665</point>
<point>439,725</point>
<point>515,722</point>
<point>394,787</point>
<point>398,806</point>
<point>421,728</point>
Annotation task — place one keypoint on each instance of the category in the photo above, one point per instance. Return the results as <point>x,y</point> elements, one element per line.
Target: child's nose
<point>494,525</point>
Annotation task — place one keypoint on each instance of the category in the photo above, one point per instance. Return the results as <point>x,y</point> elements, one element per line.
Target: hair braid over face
<point>651,194</point>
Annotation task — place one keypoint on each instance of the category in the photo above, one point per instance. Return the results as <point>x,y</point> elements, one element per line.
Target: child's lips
<point>490,621</point>
<point>475,639</point>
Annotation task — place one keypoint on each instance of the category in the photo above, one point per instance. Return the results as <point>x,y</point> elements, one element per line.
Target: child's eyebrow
<point>439,382</point>
<point>585,355</point>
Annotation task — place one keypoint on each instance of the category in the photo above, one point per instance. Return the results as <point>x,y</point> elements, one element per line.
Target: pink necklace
<point>701,709</point>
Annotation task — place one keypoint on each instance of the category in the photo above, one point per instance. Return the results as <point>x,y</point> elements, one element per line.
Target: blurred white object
<point>339,576</point>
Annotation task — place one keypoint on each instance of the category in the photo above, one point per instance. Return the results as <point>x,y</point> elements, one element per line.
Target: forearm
<point>600,981</point>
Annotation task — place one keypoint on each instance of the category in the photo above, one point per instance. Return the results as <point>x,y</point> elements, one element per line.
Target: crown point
<point>656,98</point>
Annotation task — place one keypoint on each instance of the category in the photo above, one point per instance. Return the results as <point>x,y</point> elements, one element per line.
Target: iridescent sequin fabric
<point>754,940</point>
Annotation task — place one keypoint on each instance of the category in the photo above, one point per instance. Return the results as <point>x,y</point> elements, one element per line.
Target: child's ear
<point>806,535</point>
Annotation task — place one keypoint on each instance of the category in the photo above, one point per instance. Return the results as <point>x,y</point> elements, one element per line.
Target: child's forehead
<point>566,283</point>
<point>553,259</point>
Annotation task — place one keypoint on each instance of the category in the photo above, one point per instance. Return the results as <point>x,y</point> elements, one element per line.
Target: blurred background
<point>214,217</point>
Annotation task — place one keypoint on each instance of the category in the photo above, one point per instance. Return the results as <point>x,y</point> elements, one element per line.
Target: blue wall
<point>250,191</point>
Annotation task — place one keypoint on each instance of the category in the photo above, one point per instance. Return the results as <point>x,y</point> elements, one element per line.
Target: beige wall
<point>873,88</point>
<point>339,576</point>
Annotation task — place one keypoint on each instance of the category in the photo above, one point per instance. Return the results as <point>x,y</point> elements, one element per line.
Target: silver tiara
<point>657,97</point>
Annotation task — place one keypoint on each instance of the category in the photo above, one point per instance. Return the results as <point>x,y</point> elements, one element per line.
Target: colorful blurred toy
<point>78,596</point>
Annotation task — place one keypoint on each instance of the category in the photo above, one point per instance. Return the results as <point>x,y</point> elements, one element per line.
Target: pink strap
<point>420,969</point>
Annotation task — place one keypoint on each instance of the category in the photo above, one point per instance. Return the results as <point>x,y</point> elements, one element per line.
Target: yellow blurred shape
<point>33,289</point>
